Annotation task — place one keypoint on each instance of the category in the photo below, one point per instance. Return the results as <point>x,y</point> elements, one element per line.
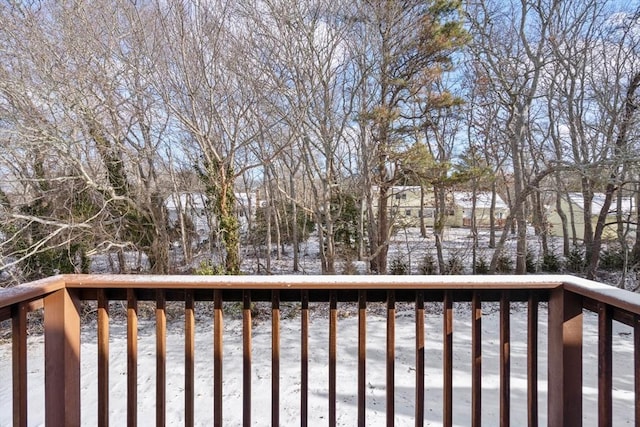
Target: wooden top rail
<point>595,291</point>
<point>356,282</point>
<point>607,294</point>
<point>30,291</point>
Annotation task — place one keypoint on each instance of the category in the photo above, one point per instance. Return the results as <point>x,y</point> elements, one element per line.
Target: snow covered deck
<point>548,331</point>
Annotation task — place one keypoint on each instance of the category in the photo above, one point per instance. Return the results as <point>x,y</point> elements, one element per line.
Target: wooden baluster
<point>333,333</point>
<point>246,358</point>
<point>476,360</point>
<point>605,360</point>
<point>275,358</point>
<point>161,358</point>
<point>391,357</point>
<point>217,358</point>
<point>103,359</point>
<point>189,358</point>
<point>304,360</point>
<point>505,359</point>
<point>132,358</point>
<point>419,408</point>
<point>362,357</point>
<point>447,359</point>
<point>19,357</point>
<point>532,359</point>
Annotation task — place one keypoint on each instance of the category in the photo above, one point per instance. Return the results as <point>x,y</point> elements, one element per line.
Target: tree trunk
<point>492,216</point>
<point>423,228</point>
<point>294,225</point>
<point>268,243</point>
<point>500,245</point>
<point>438,227</point>
<point>474,228</point>
<point>380,245</point>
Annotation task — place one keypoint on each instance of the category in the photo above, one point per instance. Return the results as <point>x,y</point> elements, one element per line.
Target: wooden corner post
<point>565,359</point>
<point>62,359</point>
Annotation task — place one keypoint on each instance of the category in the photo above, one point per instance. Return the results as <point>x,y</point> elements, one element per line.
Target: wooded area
<point>318,108</point>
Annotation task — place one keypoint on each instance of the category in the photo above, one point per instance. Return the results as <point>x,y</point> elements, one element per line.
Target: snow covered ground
<point>347,368</point>
<point>408,246</point>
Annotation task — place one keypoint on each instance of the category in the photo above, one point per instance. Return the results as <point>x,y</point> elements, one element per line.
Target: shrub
<point>207,268</point>
<point>551,263</point>
<point>576,261</point>
<point>349,268</point>
<point>428,266</point>
<point>482,267</point>
<point>454,265</point>
<point>398,267</point>
<point>530,262</point>
<point>505,264</point>
<point>612,258</point>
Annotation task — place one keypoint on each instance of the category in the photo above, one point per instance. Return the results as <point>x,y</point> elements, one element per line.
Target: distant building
<point>572,204</point>
<point>463,200</point>
<point>404,207</point>
<point>195,206</point>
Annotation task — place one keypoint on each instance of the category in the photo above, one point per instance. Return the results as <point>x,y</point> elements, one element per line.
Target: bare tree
<point>84,111</point>
<point>200,77</point>
<point>310,68</point>
<point>511,45</point>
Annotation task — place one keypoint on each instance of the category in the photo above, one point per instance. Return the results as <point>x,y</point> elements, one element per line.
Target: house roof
<point>199,200</point>
<point>192,200</point>
<point>628,203</point>
<point>464,199</point>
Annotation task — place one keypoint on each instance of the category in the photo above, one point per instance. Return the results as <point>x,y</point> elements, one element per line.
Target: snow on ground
<point>409,246</point>
<point>406,245</point>
<point>347,368</point>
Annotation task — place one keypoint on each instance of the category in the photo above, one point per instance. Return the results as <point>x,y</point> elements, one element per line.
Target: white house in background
<point>572,205</point>
<point>463,201</point>
<point>195,206</point>
<point>404,206</point>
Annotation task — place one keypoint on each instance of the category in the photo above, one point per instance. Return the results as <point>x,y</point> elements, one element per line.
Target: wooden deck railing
<point>563,299</point>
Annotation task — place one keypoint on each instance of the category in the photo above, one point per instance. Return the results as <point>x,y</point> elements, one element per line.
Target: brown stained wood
<point>565,311</point>
<point>161,358</point>
<point>304,360</point>
<point>636,369</point>
<point>29,292</point>
<point>5,313</point>
<point>217,358</point>
<point>605,360</point>
<point>391,357</point>
<point>333,344</point>
<point>132,358</point>
<point>103,359</point>
<point>476,360</point>
<point>19,363</point>
<point>314,282</point>
<point>564,359</point>
<point>62,359</point>
<point>532,360</point>
<point>246,358</point>
<point>505,360</point>
<point>362,357</point>
<point>189,358</point>
<point>419,396</point>
<point>275,358</point>
<point>447,360</point>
